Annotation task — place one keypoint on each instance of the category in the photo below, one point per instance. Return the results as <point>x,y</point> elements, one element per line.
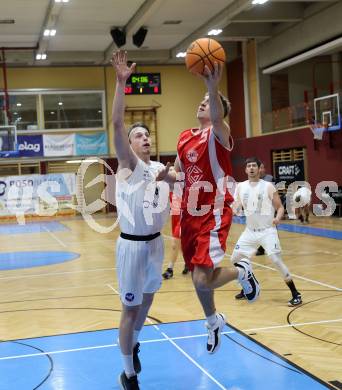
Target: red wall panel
<point>236,97</point>
<point>324,158</point>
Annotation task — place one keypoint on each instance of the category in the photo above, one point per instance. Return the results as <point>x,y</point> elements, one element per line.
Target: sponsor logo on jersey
<point>129,297</point>
<point>194,174</point>
<point>192,155</point>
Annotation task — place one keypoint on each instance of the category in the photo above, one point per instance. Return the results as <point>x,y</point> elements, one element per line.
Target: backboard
<point>327,112</point>
<point>8,141</point>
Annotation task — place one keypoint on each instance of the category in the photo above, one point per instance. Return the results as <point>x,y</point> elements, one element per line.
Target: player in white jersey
<point>260,200</point>
<point>302,200</point>
<point>142,205</point>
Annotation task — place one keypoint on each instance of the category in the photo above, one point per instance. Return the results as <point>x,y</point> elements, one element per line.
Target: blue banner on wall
<point>30,145</point>
<point>94,144</point>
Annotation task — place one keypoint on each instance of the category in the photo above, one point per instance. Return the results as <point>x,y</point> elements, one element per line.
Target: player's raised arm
<point>126,156</point>
<point>217,111</point>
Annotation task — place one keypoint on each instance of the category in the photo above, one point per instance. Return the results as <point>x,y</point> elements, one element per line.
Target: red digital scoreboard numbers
<point>143,84</point>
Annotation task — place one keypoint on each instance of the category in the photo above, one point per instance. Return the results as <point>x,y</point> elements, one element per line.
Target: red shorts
<point>175,224</point>
<point>204,238</point>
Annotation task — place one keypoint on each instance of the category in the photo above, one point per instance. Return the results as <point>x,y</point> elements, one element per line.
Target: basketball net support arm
<point>6,105</point>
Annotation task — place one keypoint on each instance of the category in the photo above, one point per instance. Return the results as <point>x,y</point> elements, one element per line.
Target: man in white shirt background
<point>260,201</point>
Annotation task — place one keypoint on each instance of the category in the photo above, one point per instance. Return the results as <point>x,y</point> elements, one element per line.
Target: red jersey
<point>207,167</point>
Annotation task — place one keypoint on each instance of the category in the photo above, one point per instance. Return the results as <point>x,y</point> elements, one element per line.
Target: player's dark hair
<point>253,160</point>
<point>226,105</point>
<point>137,124</point>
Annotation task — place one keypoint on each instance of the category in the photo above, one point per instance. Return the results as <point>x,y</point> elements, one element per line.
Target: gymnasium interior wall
<point>324,157</point>
<point>181,93</point>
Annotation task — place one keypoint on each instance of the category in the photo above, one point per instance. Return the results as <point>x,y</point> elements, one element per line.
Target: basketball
<point>204,51</point>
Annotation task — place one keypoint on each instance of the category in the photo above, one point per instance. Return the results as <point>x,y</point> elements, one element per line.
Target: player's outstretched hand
<point>163,173</point>
<point>119,63</point>
<point>212,78</point>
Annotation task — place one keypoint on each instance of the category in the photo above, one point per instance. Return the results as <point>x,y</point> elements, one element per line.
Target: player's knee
<point>280,265</point>
<point>201,282</point>
<point>129,314</point>
<point>147,299</point>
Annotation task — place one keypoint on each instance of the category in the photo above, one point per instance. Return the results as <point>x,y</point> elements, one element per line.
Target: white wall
<point>316,27</point>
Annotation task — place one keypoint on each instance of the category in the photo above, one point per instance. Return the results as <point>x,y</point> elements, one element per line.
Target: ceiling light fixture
<point>49,33</point>
<point>259,1</point>
<point>181,54</point>
<point>216,31</point>
<point>41,56</point>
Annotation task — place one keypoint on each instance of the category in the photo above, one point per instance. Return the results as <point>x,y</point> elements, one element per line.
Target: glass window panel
<point>73,111</point>
<point>22,111</point>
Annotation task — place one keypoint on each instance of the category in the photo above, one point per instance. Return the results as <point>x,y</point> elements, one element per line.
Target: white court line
<point>294,275</point>
<point>170,339</point>
<point>57,273</point>
<point>54,236</point>
<point>60,289</point>
<point>167,338</point>
<point>301,277</point>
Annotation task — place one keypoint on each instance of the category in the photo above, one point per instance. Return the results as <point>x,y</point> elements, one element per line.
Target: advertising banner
<point>289,171</point>
<point>93,144</point>
<point>23,194</point>
<point>30,145</point>
<point>59,145</point>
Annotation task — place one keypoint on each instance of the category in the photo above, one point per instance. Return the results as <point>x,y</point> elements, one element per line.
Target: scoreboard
<point>143,84</point>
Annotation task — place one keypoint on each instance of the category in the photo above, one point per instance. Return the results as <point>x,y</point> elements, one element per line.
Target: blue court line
<point>240,364</point>
<point>313,231</point>
<point>29,259</point>
<point>33,227</point>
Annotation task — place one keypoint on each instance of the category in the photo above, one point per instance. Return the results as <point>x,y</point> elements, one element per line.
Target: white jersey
<point>142,203</point>
<point>305,196</point>
<point>256,199</point>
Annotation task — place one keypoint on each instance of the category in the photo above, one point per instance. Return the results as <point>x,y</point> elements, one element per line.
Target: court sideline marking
<point>297,276</point>
<point>57,273</point>
<point>54,236</point>
<point>164,339</point>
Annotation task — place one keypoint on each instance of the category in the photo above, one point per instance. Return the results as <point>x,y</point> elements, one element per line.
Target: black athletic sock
<point>292,287</point>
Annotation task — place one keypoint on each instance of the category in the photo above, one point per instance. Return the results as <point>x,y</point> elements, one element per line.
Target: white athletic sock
<point>241,270</point>
<point>212,319</point>
<point>128,365</point>
<point>241,273</point>
<point>135,337</point>
<point>170,265</point>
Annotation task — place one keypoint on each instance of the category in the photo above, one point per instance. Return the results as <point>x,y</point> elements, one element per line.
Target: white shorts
<point>250,241</point>
<point>139,268</point>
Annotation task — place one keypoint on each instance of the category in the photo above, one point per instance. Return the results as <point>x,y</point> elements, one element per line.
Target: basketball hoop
<point>318,130</point>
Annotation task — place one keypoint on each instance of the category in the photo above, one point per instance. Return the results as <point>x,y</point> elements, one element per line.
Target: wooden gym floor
<point>79,293</point>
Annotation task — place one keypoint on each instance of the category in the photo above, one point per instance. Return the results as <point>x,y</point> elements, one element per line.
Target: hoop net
<point>318,130</point>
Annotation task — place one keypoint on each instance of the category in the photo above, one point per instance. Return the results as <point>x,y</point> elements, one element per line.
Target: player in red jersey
<point>204,159</point>
<point>175,202</point>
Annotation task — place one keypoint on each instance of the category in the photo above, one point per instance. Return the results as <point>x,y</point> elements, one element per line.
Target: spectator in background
<point>265,176</point>
<point>302,201</point>
<point>175,201</point>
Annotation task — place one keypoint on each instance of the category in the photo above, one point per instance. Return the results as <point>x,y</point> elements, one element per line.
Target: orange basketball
<point>204,51</point>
